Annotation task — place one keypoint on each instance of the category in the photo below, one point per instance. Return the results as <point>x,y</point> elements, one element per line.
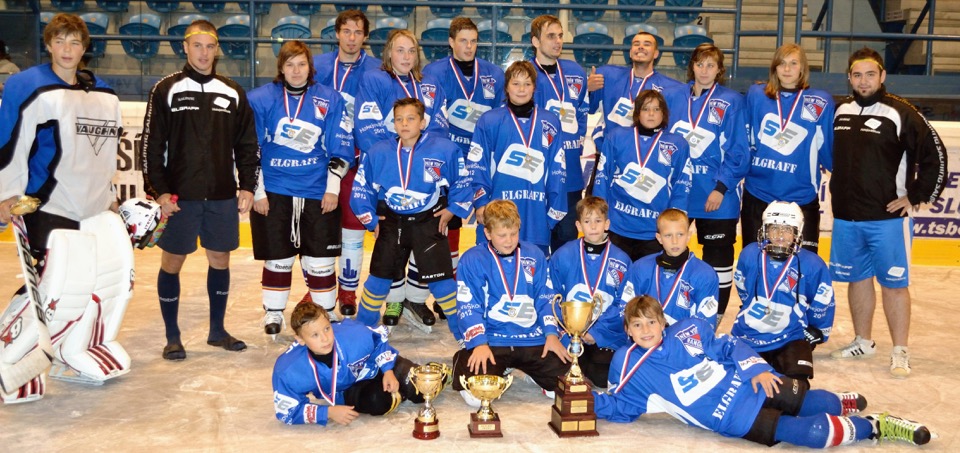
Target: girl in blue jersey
<point>718,383</point>
<point>791,132</point>
<point>642,171</point>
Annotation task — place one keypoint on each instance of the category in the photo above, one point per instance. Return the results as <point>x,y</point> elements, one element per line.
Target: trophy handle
<point>553,306</point>
<point>597,310</point>
<point>507,385</point>
<point>463,383</point>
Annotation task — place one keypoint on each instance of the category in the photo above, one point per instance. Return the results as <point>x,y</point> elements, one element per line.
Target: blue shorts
<point>215,222</point>
<point>877,248</point>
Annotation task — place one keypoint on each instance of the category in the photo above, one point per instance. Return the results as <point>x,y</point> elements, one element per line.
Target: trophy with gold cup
<point>429,381</point>
<point>486,388</point>
<point>572,412</point>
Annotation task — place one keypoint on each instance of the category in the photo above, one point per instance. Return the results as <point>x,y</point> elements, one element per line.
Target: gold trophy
<point>572,412</point>
<point>25,205</point>
<point>486,388</point>
<point>429,381</point>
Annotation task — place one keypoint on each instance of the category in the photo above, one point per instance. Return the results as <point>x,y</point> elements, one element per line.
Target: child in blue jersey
<point>787,294</point>
<point>503,305</point>
<point>351,367</point>
<point>720,384</point>
<point>516,155</point>
<point>406,191</point>
<point>642,171</point>
<point>592,266</point>
<point>791,132</point>
<point>685,286</point>
<point>713,120</point>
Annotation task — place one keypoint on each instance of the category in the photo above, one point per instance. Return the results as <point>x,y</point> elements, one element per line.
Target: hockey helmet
<point>143,219</point>
<point>778,218</point>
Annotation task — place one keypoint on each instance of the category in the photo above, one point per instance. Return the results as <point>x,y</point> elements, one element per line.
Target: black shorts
<point>419,234</point>
<point>635,248</point>
<point>39,225</point>
<point>793,359</point>
<point>751,219</point>
<point>716,232</point>
<point>787,402</point>
<point>544,371</point>
<point>215,222</point>
<point>319,232</point>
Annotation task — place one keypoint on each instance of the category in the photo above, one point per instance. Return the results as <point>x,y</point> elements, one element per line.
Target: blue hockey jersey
<point>792,138</point>
<point>374,106</point>
<point>466,96</point>
<point>781,298</point>
<point>641,176</point>
<point>693,376</point>
<point>719,150</point>
<point>565,94</point>
<point>576,274</point>
<point>344,78</point>
<point>504,301</point>
<point>620,89</point>
<point>411,181</point>
<point>691,291</point>
<point>360,352</point>
<point>522,161</point>
<point>298,135</point>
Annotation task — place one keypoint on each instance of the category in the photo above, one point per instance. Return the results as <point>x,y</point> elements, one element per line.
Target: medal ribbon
<point>673,289</point>
<point>330,398</point>
<point>703,108</point>
<point>583,266</point>
<point>503,275</point>
<point>626,375</point>
<point>405,178</point>
<point>336,66</point>
<point>416,88</point>
<point>561,92</point>
<point>783,273</point>
<point>533,125</point>
<point>785,121</point>
<point>636,142</point>
<point>286,104</point>
<point>642,83</point>
<point>463,88</point>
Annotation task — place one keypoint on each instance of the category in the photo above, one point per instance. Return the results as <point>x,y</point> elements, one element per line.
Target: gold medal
<point>563,113</point>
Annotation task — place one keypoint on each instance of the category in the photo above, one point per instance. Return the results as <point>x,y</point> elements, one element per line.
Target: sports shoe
<point>889,427</point>
<point>348,302</point>
<point>273,322</point>
<point>391,316</point>
<point>851,403</point>
<point>419,312</point>
<point>439,311</point>
<point>900,362</point>
<point>858,348</point>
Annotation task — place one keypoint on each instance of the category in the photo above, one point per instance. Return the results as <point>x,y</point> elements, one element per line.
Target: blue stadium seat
<point>289,28</point>
<point>176,32</point>
<point>682,18</point>
<point>688,36</point>
<point>341,7</point>
<point>209,6</point>
<point>636,16</point>
<point>592,33</point>
<point>437,30</point>
<point>397,11</point>
<point>67,6</point>
<point>486,12</point>
<point>114,6</point>
<point>141,25</point>
<point>329,32</point>
<point>383,28</point>
<point>97,24</point>
<point>445,12</point>
<point>526,44</point>
<point>163,7</point>
<point>261,8</point>
<point>305,9</point>
<point>588,16</point>
<point>534,12</point>
<point>236,27</point>
<point>632,31</point>
<point>503,37</point>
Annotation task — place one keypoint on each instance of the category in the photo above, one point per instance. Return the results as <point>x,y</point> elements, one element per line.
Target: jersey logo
<point>812,108</point>
<point>566,113</point>
<point>369,111</point>
<point>520,311</point>
<point>297,135</point>
<point>666,152</point>
<point>574,85</point>
<point>784,140</point>
<point>97,131</point>
<point>790,282</point>
<point>523,163</point>
<point>488,83</point>
<point>431,170</point>
<point>320,107</point>
<point>683,294</point>
<point>464,114</point>
<point>615,272</point>
<point>529,266</point>
<point>717,109</point>
<point>622,112</point>
<point>690,339</point>
<point>479,194</point>
<point>640,183</point>
<point>549,133</point>
<point>699,139</point>
<point>429,92</point>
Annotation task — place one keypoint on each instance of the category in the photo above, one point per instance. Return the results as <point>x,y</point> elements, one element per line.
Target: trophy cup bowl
<point>578,317</point>
<point>572,413</point>
<point>486,388</point>
<point>429,381</point>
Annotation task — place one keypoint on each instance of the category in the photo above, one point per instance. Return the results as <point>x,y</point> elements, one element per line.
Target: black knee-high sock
<point>218,289</point>
<point>168,289</point>
<point>721,259</point>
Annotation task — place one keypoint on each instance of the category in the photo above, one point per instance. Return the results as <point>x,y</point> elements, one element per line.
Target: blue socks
<point>168,289</point>
<point>218,289</point>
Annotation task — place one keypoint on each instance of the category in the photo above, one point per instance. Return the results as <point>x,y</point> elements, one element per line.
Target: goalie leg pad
<point>33,390</point>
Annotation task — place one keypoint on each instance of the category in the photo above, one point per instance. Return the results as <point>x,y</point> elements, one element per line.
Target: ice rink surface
<point>222,401</point>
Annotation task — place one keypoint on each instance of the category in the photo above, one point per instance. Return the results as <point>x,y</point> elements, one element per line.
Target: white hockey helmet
<point>781,213</point>
<point>142,217</point>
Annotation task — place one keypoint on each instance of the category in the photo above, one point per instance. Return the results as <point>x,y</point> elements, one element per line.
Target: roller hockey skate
<point>419,315</point>
<point>889,427</point>
<point>273,323</point>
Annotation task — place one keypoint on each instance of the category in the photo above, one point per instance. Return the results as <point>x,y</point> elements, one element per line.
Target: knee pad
<point>284,265</point>
<point>351,258</point>
<point>321,279</point>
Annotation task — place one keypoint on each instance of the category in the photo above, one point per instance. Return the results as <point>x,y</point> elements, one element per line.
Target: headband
<point>201,32</point>
<point>861,60</point>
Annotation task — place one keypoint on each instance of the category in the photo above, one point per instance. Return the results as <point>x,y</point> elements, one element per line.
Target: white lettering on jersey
<point>783,141</point>
<point>298,135</point>
<point>523,163</point>
<point>464,114</point>
<point>622,113</point>
<point>370,111</point>
<point>691,384</point>
<point>567,114</point>
<point>699,139</point>
<point>520,311</point>
<point>641,183</point>
<point>767,316</point>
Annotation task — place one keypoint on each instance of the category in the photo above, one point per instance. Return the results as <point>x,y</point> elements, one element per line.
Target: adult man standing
<point>343,70</point>
<point>887,160</point>
<point>199,127</point>
<point>562,89</point>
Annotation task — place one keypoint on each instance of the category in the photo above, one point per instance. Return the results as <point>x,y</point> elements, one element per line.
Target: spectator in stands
<point>6,65</point>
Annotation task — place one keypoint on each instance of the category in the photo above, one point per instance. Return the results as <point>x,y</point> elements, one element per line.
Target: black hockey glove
<point>813,335</point>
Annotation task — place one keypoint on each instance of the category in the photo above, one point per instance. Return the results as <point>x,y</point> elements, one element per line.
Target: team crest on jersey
<point>97,131</point>
<point>429,92</point>
<point>529,266</point>
<point>690,339</point>
<point>488,83</point>
<point>683,294</point>
<point>812,108</point>
<point>615,271</point>
<point>356,367</point>
<point>716,109</point>
<point>790,282</point>
<point>574,85</point>
<point>431,170</point>
<point>320,107</point>
<point>549,132</point>
<point>666,152</point>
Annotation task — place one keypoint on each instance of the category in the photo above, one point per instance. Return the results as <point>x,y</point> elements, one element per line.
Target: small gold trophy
<point>25,205</point>
<point>486,388</point>
<point>572,412</point>
<point>429,381</point>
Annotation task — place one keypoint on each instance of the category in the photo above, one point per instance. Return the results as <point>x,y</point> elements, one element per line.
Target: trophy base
<point>484,428</point>
<point>573,425</point>
<point>426,430</point>
<point>572,413</point>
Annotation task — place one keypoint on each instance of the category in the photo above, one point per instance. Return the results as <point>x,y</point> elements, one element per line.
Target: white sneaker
<point>900,362</point>
<point>858,349</point>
